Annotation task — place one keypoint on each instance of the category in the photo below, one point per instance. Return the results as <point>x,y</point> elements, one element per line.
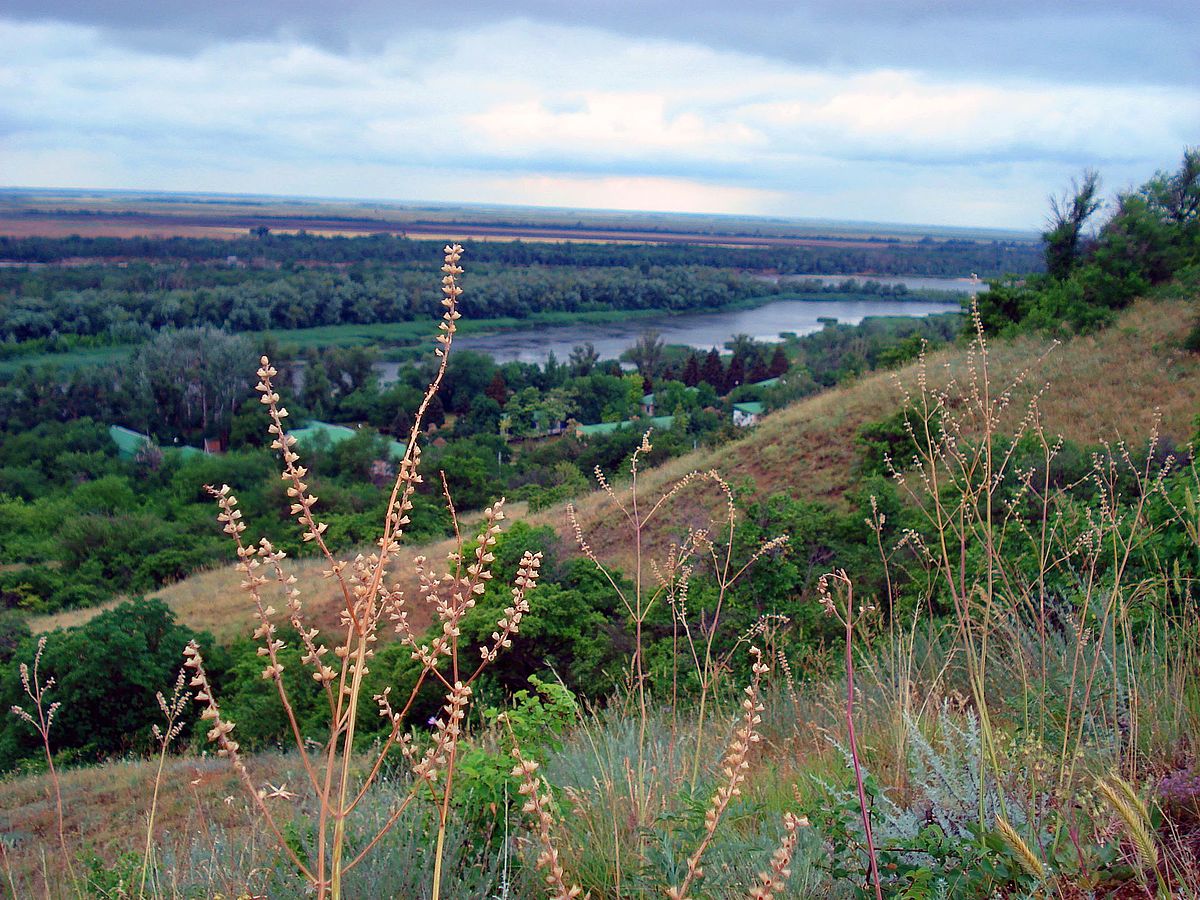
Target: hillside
<point>915,705</point>
<point>1106,386</point>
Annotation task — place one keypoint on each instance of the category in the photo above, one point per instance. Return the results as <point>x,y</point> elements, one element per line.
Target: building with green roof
<point>129,442</point>
<point>334,434</point>
<point>659,422</point>
<point>748,414</point>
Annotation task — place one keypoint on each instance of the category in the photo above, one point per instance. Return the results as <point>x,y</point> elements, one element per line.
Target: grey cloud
<point>1096,42</point>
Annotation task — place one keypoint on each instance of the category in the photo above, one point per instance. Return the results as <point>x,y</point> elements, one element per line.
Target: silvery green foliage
<point>947,778</point>
<point>404,865</point>
<point>588,767</point>
<point>944,778</point>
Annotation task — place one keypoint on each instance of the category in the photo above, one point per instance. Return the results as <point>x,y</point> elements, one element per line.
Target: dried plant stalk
<point>733,770</point>
<point>369,604</point>
<point>537,804</point>
<point>774,881</point>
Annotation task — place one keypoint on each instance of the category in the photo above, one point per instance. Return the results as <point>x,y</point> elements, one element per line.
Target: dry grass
<point>105,809</point>
<point>213,601</point>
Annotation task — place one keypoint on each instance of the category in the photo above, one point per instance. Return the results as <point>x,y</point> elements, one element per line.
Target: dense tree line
<point>924,257</point>
<point>123,305</point>
<point>577,628</point>
<point>132,525</point>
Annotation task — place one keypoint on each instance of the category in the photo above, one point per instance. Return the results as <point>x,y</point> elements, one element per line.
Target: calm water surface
<point>701,330</point>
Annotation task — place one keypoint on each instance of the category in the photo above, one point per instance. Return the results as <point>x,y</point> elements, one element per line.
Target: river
<point>701,330</point>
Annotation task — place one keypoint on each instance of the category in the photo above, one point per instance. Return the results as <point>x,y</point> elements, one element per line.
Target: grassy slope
<point>1102,386</point>
<point>1105,386</point>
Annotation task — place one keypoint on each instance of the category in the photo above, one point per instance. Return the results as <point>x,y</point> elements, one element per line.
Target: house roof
<point>128,441</point>
<point>335,434</point>
<point>750,409</point>
<point>610,427</point>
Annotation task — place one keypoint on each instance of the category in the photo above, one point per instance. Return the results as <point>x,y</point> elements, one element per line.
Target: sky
<point>932,112</point>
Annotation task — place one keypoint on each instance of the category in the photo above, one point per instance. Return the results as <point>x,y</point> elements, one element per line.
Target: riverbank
<point>404,340</point>
<point>766,322</point>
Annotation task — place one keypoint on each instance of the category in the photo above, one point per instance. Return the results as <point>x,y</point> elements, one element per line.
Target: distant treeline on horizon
<point>926,257</point>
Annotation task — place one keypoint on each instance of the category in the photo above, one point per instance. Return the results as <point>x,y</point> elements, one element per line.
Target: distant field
<point>73,359</point>
<point>49,213</point>
<point>126,225</point>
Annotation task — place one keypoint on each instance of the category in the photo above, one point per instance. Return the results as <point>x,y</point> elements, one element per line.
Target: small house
<point>129,442</point>
<point>746,415</point>
<point>657,422</point>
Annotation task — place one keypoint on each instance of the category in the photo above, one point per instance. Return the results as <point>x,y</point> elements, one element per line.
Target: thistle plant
<point>372,603</point>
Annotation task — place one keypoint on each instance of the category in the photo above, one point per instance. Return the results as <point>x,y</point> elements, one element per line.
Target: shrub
<point>109,671</point>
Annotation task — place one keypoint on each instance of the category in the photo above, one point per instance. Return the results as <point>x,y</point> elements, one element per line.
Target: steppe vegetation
<point>927,634</point>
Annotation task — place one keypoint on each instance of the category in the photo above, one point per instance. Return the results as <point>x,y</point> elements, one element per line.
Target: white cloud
<point>520,112</point>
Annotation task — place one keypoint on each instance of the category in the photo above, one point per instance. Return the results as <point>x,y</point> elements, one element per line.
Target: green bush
<point>106,673</point>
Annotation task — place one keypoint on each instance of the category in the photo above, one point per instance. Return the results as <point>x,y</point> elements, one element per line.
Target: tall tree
<point>647,353</point>
<point>1069,213</point>
<point>554,373</point>
<point>1179,194</point>
<point>196,378</point>
<point>691,371</point>
<point>317,391</point>
<point>498,389</point>
<point>712,371</point>
<point>742,345</point>
<point>779,363</point>
<point>736,374</point>
<point>583,358</point>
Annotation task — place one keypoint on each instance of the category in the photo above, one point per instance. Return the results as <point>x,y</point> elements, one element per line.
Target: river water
<point>703,331</point>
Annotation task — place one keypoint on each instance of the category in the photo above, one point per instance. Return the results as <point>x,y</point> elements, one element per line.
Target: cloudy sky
<point>931,111</point>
